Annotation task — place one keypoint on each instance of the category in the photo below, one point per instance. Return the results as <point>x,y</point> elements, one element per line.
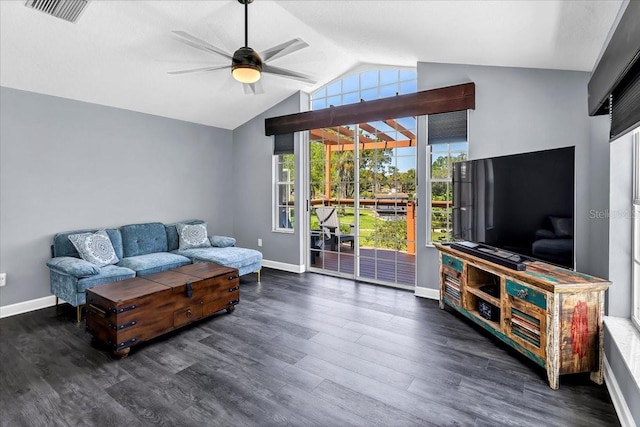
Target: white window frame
<point>635,269</point>
<point>431,181</point>
<point>275,202</point>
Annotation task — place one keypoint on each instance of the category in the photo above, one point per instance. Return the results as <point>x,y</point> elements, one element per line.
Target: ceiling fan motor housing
<point>246,57</point>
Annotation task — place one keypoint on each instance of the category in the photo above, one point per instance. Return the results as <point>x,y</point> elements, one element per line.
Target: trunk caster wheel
<point>231,309</point>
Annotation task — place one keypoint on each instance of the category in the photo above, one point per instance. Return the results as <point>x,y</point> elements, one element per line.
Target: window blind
<point>625,104</point>
<point>445,128</point>
<point>283,144</point>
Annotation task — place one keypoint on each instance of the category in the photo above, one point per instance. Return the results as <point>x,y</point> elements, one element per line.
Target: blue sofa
<point>142,249</point>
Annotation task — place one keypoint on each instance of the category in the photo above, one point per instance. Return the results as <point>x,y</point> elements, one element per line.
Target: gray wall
<point>518,110</point>
<point>66,165</point>
<point>252,177</point>
<point>598,259</point>
<point>620,227</point>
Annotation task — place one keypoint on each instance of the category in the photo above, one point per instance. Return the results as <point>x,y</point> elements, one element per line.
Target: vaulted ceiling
<point>119,52</point>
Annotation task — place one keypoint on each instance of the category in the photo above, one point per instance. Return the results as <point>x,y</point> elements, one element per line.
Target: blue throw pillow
<point>193,236</point>
<point>222,241</point>
<point>95,247</point>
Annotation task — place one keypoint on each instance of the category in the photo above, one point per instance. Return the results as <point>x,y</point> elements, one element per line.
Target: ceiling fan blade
<point>253,88</point>
<point>283,49</point>
<point>287,73</point>
<point>197,43</point>
<point>197,70</point>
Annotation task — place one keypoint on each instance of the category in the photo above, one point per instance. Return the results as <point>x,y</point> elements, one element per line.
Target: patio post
<point>411,228</point>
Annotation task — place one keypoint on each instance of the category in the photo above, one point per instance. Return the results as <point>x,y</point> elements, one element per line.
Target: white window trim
<point>430,182</point>
<point>275,205</point>
<point>635,256</point>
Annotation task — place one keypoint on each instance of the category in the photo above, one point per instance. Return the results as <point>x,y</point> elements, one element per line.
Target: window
<point>283,192</point>
<point>635,310</point>
<point>447,144</point>
<point>365,86</point>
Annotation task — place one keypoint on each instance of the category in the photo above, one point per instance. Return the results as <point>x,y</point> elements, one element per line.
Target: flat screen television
<point>522,203</point>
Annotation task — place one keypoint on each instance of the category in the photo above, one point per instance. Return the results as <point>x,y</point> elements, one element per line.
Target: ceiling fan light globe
<point>246,65</point>
<point>245,74</point>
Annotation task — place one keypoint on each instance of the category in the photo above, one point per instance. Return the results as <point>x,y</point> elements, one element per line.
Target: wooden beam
<point>380,145</point>
<point>372,130</point>
<point>403,130</point>
<point>321,135</point>
<point>442,100</point>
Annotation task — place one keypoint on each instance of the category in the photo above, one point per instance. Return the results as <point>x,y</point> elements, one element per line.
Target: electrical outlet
<point>259,242</point>
<point>3,279</point>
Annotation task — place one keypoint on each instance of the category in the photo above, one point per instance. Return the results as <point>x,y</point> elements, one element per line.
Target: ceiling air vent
<point>69,10</point>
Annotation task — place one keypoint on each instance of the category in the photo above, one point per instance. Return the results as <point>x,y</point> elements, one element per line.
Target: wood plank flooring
<point>300,350</point>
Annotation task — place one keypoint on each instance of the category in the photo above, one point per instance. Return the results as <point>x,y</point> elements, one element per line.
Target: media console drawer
<point>452,262</point>
<point>526,293</point>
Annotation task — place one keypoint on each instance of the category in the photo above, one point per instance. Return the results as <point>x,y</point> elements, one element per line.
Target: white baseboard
<point>292,268</point>
<point>26,306</point>
<point>619,403</point>
<point>427,293</point>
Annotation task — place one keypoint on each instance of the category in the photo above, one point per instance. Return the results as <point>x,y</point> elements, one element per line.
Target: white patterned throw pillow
<point>95,247</point>
<point>193,236</point>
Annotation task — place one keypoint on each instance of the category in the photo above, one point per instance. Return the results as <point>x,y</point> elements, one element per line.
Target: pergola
<point>341,138</point>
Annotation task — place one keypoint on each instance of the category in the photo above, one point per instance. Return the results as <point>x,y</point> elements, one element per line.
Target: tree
<point>316,172</point>
<point>441,169</point>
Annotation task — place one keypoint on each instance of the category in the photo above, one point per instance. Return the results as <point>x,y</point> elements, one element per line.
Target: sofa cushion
<point>62,246</point>
<point>73,266</point>
<point>95,247</point>
<point>193,236</point>
<point>222,241</point>
<point>173,239</point>
<point>229,257</point>
<point>108,274</point>
<point>143,239</point>
<point>153,263</point>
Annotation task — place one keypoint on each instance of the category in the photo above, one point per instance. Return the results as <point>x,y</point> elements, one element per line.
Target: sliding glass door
<point>362,187</point>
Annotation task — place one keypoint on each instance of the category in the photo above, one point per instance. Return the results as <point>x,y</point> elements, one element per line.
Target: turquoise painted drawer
<point>526,294</point>
<point>452,262</point>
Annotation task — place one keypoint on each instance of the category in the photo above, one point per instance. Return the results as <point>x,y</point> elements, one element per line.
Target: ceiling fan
<point>247,65</point>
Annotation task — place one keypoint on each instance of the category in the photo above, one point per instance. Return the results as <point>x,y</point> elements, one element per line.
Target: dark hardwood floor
<point>301,350</point>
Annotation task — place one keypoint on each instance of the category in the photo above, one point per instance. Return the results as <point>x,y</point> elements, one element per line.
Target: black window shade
<point>625,103</point>
<point>283,144</point>
<point>445,128</point>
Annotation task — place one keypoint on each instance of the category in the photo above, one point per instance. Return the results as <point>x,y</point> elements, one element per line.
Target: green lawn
<point>367,220</point>
<point>368,224</point>
<point>373,232</point>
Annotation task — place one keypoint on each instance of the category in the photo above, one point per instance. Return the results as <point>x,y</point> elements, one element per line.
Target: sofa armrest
<point>76,267</point>
<point>222,241</point>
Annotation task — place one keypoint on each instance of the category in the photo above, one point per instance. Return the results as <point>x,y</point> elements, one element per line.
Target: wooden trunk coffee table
<point>125,313</point>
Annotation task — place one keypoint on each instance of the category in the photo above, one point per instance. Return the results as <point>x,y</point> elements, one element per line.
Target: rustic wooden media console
<point>126,313</point>
<point>550,314</point>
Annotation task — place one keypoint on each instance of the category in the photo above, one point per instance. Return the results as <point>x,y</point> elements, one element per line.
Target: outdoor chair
<point>330,227</point>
